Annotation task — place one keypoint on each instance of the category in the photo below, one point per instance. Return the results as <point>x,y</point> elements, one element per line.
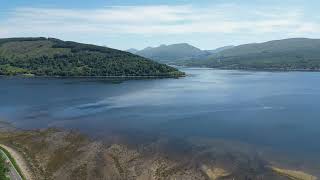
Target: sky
<point>124,24</point>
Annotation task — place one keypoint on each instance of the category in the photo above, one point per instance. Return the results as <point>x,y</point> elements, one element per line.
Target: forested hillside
<point>54,57</point>
<point>287,54</point>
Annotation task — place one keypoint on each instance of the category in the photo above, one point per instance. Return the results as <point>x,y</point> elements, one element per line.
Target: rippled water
<point>280,110</point>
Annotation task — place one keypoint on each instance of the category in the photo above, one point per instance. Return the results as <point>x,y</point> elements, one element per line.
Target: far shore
<point>255,69</point>
<point>98,77</point>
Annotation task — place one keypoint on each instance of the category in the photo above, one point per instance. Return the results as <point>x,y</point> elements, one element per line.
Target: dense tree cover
<point>289,54</point>
<point>3,168</point>
<point>261,61</point>
<point>6,40</point>
<point>53,57</point>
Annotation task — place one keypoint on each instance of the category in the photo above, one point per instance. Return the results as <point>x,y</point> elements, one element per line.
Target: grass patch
<point>3,168</point>
<point>13,162</point>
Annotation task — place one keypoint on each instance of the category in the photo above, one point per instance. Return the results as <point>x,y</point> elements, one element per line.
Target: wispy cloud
<point>158,20</point>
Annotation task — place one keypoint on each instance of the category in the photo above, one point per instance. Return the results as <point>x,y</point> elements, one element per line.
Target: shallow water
<point>278,110</point>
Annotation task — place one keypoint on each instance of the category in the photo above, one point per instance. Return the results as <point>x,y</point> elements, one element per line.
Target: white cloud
<point>3,33</point>
<point>157,20</point>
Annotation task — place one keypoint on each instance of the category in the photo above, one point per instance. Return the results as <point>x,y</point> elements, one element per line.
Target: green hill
<point>54,57</point>
<point>287,54</point>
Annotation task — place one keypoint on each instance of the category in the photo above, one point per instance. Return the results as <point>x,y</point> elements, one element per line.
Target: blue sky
<point>123,24</point>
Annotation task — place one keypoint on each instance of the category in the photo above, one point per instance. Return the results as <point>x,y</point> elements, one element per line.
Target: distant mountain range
<point>286,54</point>
<point>132,50</point>
<point>54,57</point>
<point>168,53</point>
<point>174,53</point>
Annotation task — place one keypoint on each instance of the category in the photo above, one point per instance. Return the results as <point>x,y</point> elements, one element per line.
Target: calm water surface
<point>272,109</point>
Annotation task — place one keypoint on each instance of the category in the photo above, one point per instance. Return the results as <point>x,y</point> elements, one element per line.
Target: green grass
<point>13,162</point>
<point>3,168</point>
<point>30,49</point>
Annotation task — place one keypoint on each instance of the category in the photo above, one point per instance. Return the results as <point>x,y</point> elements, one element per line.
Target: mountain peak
<point>132,50</point>
<point>171,52</point>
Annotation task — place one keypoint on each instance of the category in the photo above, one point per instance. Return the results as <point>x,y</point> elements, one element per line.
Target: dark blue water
<point>280,110</point>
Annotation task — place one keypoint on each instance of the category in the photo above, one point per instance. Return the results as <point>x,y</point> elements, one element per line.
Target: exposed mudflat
<point>59,154</point>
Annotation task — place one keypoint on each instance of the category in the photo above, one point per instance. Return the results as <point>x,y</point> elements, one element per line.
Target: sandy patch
<point>214,173</point>
<point>295,175</point>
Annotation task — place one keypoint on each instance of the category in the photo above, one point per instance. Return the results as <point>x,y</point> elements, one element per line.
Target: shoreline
<point>97,77</point>
<point>117,153</point>
<point>271,70</point>
<point>256,69</point>
<point>293,174</point>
